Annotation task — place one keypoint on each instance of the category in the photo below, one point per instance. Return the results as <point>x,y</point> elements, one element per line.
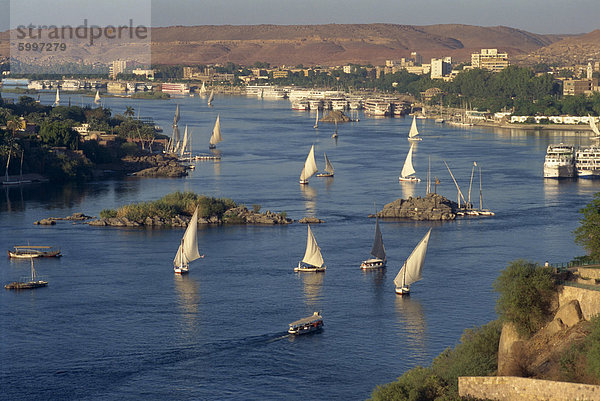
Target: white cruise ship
<point>70,85</point>
<point>377,107</point>
<point>338,103</point>
<point>587,162</point>
<point>315,104</point>
<point>559,161</point>
<point>274,92</point>
<point>300,104</point>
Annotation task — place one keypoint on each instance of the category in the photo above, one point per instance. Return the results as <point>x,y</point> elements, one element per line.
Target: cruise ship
<point>300,104</point>
<point>587,162</point>
<point>315,104</point>
<point>559,161</point>
<point>339,103</point>
<point>274,92</point>
<point>377,107</point>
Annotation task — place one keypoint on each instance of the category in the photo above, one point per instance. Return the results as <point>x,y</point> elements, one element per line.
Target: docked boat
<point>378,260</point>
<point>328,168</point>
<point>315,104</point>
<point>413,133</point>
<point>27,285</point>
<point>216,134</point>
<point>377,107</point>
<point>307,324</point>
<point>339,103</point>
<point>408,170</point>
<point>188,249</point>
<point>33,251</point>
<point>300,104</point>
<point>587,162</point>
<point>559,161</point>
<point>310,166</point>
<point>412,269</point>
<point>313,259</point>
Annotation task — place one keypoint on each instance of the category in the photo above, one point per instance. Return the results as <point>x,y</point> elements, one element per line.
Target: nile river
<point>115,323</point>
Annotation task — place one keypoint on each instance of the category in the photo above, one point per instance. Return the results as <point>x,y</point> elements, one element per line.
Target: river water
<point>115,323</point>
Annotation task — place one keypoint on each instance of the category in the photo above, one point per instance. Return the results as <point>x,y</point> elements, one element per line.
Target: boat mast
<point>470,185</point>
<point>480,193</point>
<point>460,195</point>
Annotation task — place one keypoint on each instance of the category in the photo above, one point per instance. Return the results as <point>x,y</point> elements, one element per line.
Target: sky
<point>537,16</point>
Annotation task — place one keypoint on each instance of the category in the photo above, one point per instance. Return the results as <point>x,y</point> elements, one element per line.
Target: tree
<point>588,233</point>
<point>526,290</point>
<point>129,112</point>
<point>59,133</point>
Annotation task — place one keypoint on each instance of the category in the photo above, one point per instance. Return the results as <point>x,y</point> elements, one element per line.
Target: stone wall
<point>589,300</point>
<point>510,388</point>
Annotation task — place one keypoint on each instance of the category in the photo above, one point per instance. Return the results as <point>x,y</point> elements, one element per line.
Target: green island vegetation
<point>526,292</point>
<point>171,205</point>
<point>45,137</point>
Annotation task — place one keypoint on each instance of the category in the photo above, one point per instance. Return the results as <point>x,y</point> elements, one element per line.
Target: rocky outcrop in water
<point>335,116</point>
<point>155,165</point>
<point>310,220</point>
<point>431,207</point>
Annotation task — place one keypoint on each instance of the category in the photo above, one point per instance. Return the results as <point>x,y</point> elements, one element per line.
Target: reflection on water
<point>217,167</point>
<point>378,279</point>
<point>408,189</point>
<point>188,301</point>
<point>312,284</point>
<point>411,321</point>
<point>328,183</point>
<point>310,199</point>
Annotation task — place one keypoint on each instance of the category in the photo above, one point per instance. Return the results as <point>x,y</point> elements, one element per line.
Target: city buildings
<point>490,59</point>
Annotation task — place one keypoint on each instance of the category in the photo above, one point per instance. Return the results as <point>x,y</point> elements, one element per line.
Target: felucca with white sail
<point>97,99</point>
<point>310,166</point>
<point>328,168</point>
<point>377,251</point>
<point>216,134</point>
<point>408,169</point>
<point>188,249</point>
<point>413,133</point>
<point>313,259</point>
<point>412,269</point>
<point>211,97</point>
<point>57,99</point>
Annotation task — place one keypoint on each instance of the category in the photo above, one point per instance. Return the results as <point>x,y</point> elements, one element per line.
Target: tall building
<point>490,59</point>
<point>441,67</point>
<point>117,67</point>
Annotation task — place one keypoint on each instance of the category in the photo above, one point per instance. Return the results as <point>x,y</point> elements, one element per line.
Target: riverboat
<point>559,161</point>
<point>27,285</point>
<point>377,107</point>
<point>33,251</point>
<point>307,324</point>
<point>587,162</point>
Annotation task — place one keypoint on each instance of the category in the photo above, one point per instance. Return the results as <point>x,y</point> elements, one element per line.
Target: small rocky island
<point>335,116</point>
<point>432,207</point>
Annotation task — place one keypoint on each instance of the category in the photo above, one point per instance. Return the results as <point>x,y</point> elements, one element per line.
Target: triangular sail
<point>176,117</point>
<point>408,168</point>
<point>310,165</point>
<point>413,267</point>
<point>188,249</point>
<point>216,133</point>
<point>185,141</point>
<point>203,89</point>
<point>378,250</point>
<point>594,126</point>
<point>328,165</point>
<point>413,129</point>
<point>312,256</point>
<point>57,100</point>
<point>211,96</point>
<point>97,98</point>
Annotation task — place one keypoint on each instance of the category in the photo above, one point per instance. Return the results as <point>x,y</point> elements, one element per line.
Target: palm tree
<point>129,112</point>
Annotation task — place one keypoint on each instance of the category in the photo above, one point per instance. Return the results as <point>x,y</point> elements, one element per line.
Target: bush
<point>588,233</point>
<point>108,213</point>
<point>592,343</point>
<point>526,290</point>
<point>256,208</point>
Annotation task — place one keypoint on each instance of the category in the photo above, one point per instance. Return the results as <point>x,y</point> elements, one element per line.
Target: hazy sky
<point>538,16</point>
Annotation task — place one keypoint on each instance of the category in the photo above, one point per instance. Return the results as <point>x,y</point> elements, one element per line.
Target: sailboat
<point>57,100</point>
<point>97,99</point>
<point>328,168</point>
<point>335,134</point>
<point>377,251</point>
<point>310,166</point>
<point>27,285</point>
<point>594,128</point>
<point>211,97</point>
<point>202,89</point>
<point>216,134</point>
<point>313,260</point>
<point>413,133</point>
<point>317,120</point>
<point>412,269</point>
<point>408,169</point>
<point>185,152</point>
<point>188,249</point>
<point>482,211</point>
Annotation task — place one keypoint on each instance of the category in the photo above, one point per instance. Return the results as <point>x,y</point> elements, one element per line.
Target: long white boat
<point>377,107</point>
<point>307,324</point>
<point>559,161</point>
<point>300,104</point>
<point>587,162</point>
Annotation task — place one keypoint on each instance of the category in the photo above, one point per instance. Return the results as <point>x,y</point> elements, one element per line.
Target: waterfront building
<point>117,67</point>
<point>490,59</point>
<point>149,74</point>
<point>573,87</point>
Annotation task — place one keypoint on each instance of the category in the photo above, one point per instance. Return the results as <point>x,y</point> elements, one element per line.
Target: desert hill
<point>571,50</point>
<point>331,44</point>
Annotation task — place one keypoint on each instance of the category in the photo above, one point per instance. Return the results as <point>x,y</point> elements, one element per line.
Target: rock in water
<point>431,207</point>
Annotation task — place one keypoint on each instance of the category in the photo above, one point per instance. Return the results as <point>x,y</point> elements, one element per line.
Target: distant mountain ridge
<point>330,44</point>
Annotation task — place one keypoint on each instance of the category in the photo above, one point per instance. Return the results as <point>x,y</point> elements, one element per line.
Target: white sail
<point>188,249</point>
<point>413,129</point>
<point>176,117</point>
<point>328,165</point>
<point>185,141</point>
<point>211,97</point>
<point>312,256</point>
<point>408,168</point>
<point>594,126</point>
<point>317,120</point>
<point>57,100</point>
<point>310,165</point>
<point>378,250</point>
<point>97,99</point>
<point>203,89</point>
<point>216,133</point>
<point>412,269</point>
